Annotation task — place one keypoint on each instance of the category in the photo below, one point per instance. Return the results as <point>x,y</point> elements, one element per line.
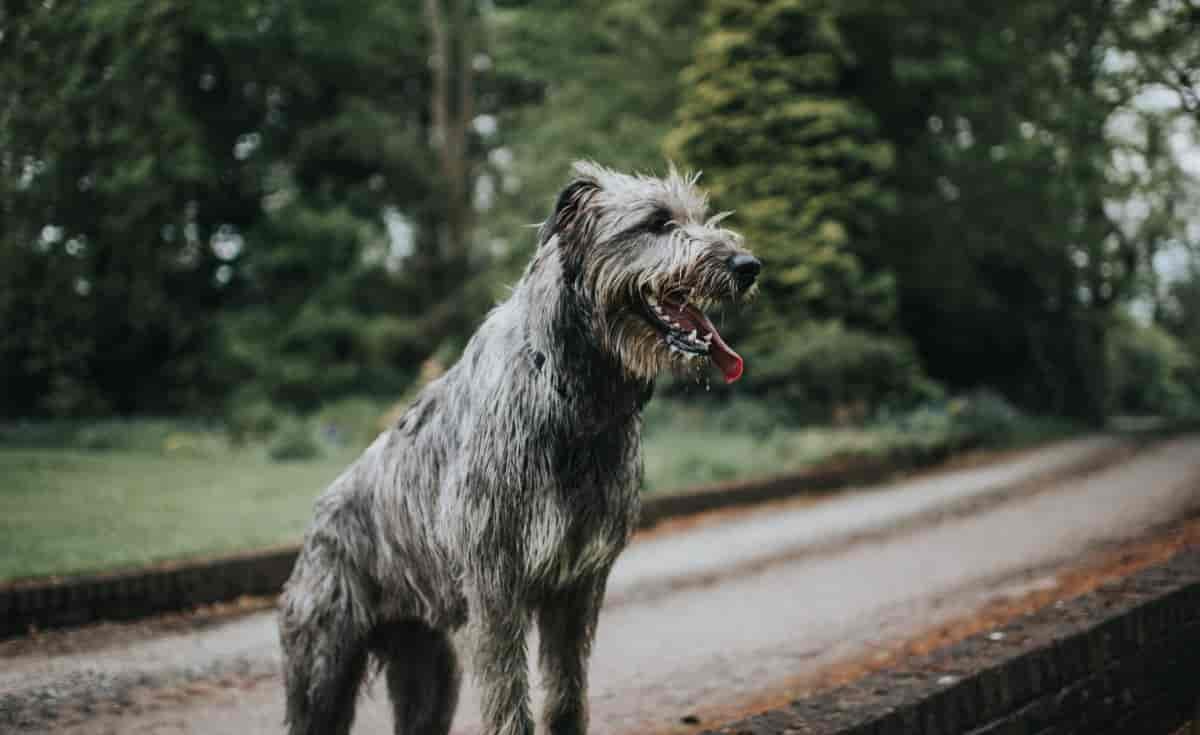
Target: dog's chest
<point>586,517</point>
<point>577,534</point>
<point>576,461</point>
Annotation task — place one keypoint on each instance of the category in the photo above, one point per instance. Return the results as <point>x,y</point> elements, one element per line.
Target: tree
<point>214,194</point>
<point>770,117</point>
<point>331,294</point>
<point>108,284</point>
<point>590,80</point>
<point>1164,38</point>
<point>1012,182</point>
<point>956,159</point>
<point>773,115</point>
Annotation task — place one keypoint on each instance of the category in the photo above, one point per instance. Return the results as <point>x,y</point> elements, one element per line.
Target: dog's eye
<point>660,222</point>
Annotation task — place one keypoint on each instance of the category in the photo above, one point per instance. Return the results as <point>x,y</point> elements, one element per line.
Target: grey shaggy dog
<point>507,490</point>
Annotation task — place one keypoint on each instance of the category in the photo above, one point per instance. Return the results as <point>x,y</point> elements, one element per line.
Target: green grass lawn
<point>81,498</point>
<point>64,511</point>
<point>680,459</point>
<point>71,510</point>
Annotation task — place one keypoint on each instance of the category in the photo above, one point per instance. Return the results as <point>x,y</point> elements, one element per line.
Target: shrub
<point>736,415</point>
<point>350,421</point>
<point>1151,372</point>
<point>826,367</point>
<point>987,417</point>
<point>127,435</point>
<point>251,418</point>
<point>983,417</point>
<point>294,441</point>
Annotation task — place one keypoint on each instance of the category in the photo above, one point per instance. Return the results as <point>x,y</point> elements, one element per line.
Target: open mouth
<point>687,330</point>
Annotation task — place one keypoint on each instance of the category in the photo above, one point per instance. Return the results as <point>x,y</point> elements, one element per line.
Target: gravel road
<point>700,617</point>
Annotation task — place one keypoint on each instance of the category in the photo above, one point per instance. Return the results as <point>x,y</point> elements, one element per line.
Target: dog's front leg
<point>500,663</point>
<point>566,628</point>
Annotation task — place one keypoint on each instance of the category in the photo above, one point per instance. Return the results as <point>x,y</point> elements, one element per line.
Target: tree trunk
<point>452,106</point>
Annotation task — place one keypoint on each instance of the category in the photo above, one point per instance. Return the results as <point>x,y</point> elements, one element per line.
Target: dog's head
<point>647,261</point>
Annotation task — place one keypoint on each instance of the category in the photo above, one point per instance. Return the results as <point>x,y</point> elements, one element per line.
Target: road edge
<point>67,601</point>
<point>1124,657</point>
<point>180,585</point>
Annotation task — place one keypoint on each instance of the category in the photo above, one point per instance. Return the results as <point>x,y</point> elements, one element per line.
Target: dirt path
<point>698,619</point>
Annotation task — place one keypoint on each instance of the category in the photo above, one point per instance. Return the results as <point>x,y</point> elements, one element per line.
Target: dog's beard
<point>670,335</point>
<point>653,310</point>
<point>688,332</point>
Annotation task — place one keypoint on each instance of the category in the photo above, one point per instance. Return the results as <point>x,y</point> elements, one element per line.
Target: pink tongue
<point>725,358</point>
<point>729,361</point>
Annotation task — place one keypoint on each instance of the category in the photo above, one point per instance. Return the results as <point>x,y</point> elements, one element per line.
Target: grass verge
<point>80,498</point>
<point>69,511</point>
<point>687,445</point>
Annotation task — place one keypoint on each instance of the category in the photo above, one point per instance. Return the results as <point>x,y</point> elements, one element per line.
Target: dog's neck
<point>565,351</point>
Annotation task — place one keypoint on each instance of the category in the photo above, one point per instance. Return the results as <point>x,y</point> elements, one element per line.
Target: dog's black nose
<point>745,268</point>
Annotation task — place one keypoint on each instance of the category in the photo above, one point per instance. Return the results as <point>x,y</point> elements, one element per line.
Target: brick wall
<point>1122,660</point>
<point>120,596</point>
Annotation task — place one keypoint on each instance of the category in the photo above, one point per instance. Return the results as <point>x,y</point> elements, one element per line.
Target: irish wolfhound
<point>507,490</point>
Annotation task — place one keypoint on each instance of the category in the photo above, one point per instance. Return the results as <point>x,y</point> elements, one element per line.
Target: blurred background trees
<point>272,205</point>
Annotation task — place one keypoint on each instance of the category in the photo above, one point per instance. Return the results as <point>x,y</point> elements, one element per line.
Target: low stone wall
<point>1122,660</point>
<point>58,602</point>
<point>141,592</point>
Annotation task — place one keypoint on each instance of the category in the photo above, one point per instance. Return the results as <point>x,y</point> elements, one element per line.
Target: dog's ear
<point>567,221</point>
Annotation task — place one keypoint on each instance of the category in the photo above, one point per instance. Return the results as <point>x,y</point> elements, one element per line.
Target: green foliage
<point>768,118</point>
<point>249,417</point>
<point>979,418</point>
<point>294,440</point>
<point>190,189</point>
<point>224,207</point>
<point>987,416</point>
<point>1007,255</point>
<point>353,421</point>
<point>734,416</point>
<point>1181,314</point>
<point>1152,372</point>
<point>102,264</point>
<point>144,435</point>
<point>600,80</point>
<point>821,367</point>
<point>689,443</point>
<point>948,170</point>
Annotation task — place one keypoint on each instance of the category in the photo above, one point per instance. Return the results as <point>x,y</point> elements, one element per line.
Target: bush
<point>153,435</point>
<point>983,418</point>
<point>350,421</point>
<point>827,370</point>
<point>1151,372</point>
<point>322,355</point>
<point>987,417</point>
<point>251,418</point>
<point>737,415</point>
<point>294,441</point>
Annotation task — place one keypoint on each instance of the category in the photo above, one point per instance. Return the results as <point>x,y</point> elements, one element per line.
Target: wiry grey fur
<point>510,486</point>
